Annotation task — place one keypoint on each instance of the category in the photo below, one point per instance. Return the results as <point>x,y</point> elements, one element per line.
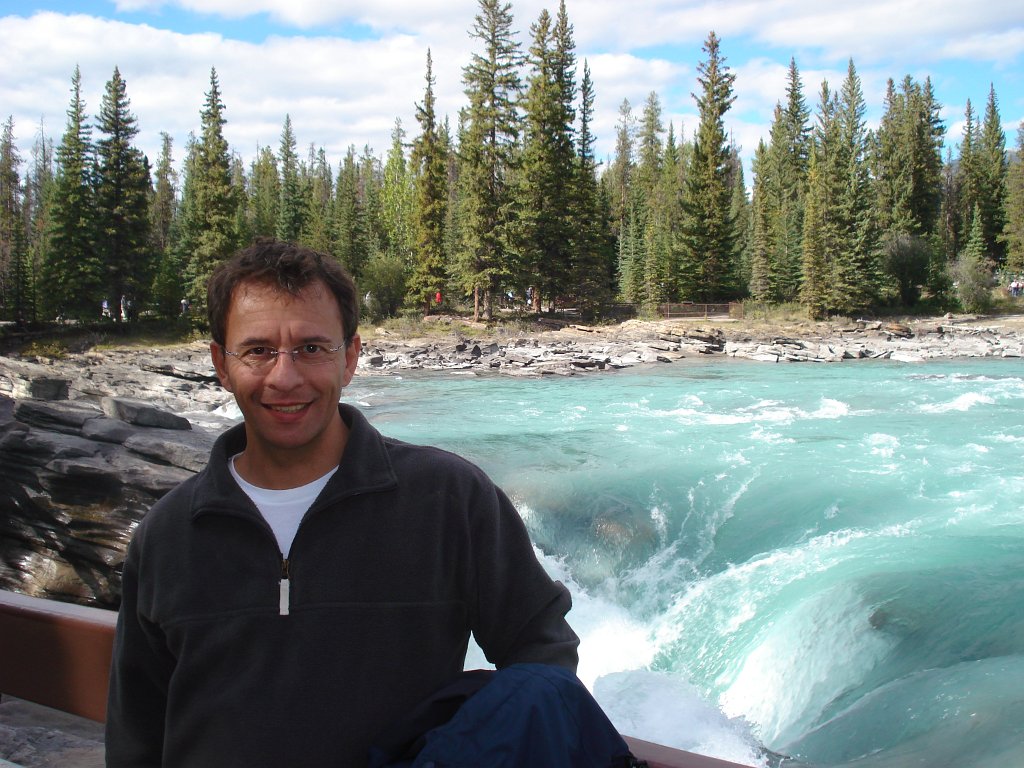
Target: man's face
<point>290,409</point>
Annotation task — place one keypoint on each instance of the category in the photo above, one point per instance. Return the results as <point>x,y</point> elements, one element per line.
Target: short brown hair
<point>287,267</point>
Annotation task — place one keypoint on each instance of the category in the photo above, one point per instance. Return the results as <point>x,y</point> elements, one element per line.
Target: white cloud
<point>296,60</point>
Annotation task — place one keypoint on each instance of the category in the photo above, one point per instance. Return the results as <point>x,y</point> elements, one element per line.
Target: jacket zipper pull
<point>284,598</point>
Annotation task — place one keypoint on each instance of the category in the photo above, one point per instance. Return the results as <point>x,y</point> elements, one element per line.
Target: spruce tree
<point>13,251</point>
<point>592,266</point>
<point>1013,228</point>
<point>37,212</point>
<point>544,195</point>
<point>163,211</point>
<point>822,225</point>
<point>487,149</point>
<point>209,202</point>
<point>318,190</point>
<point>856,271</point>
<point>72,272</point>
<point>293,206</point>
<point>818,244</point>
<point>784,175</point>
<point>122,187</point>
<point>972,271</point>
<point>618,180</point>
<point>264,194</point>
<point>397,198</point>
<point>352,241</point>
<point>430,169</point>
<point>992,167</point>
<point>708,268</point>
<point>759,284</point>
<point>967,178</point>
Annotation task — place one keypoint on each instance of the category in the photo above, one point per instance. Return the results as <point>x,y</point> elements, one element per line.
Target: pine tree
<point>618,181</point>
<point>740,214</point>
<point>209,201</point>
<point>992,167</point>
<point>163,212</point>
<point>968,178</point>
<point>293,206</point>
<point>907,167</point>
<point>264,194</point>
<point>397,199</point>
<point>785,172</point>
<point>352,247</point>
<point>13,251</point>
<point>856,272</point>
<point>122,187</point>
<point>37,212</point>
<point>708,234</point>
<point>487,149</point>
<point>759,284</point>
<point>823,226</point>
<point>972,271</point>
<point>430,170</point>
<point>592,266</point>
<point>72,273</point>
<point>317,221</point>
<point>1013,229</point>
<point>816,268</point>
<point>545,199</point>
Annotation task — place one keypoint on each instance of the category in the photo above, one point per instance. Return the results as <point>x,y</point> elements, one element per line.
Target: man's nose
<point>284,371</point>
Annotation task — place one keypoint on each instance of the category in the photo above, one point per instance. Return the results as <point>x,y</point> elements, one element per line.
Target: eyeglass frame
<point>276,353</point>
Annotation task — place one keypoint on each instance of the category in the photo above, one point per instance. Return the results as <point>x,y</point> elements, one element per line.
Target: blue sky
<point>344,70</point>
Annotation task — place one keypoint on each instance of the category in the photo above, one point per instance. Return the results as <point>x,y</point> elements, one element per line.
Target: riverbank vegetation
<point>504,207</point>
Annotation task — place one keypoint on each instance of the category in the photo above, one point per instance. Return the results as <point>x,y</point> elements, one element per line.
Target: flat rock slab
<point>34,736</point>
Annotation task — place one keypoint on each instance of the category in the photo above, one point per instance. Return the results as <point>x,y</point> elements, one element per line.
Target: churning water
<point>826,560</point>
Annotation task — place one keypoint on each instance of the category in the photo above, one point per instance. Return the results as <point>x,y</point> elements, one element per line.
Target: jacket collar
<point>365,468</point>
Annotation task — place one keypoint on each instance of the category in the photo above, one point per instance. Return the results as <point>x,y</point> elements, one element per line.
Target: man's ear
<point>220,364</point>
<point>352,351</point>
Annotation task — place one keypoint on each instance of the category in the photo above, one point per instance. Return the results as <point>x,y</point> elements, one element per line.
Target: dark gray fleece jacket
<point>406,551</point>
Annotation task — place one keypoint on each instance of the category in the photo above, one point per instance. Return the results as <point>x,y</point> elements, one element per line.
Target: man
<point>316,580</point>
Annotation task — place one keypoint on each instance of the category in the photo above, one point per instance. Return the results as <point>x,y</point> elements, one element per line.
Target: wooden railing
<point>58,655</point>
<point>691,309</point>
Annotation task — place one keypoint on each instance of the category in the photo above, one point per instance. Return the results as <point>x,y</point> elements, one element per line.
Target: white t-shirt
<point>282,509</point>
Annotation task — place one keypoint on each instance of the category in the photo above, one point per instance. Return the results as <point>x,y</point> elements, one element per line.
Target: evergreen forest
<point>509,207</point>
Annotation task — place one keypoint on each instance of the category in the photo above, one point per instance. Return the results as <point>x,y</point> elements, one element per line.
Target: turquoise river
<point>824,562</point>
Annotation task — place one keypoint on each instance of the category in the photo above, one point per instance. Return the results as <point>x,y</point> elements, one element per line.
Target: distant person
<point>317,579</point>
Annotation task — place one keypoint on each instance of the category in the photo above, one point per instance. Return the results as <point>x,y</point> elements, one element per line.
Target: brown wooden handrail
<point>58,655</point>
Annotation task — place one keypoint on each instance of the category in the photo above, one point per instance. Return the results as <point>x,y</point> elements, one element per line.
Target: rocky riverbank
<point>89,441</point>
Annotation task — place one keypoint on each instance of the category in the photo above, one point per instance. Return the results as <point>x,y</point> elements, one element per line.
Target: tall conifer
<point>430,170</point>
<point>708,233</point>
<point>487,150</point>
<point>122,201</point>
<point>292,208</point>
<point>72,273</point>
<point>208,232</point>
<point>544,194</point>
<point>13,251</point>
<point>1013,228</point>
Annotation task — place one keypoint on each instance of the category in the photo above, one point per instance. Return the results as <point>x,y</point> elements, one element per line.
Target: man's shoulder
<point>429,457</point>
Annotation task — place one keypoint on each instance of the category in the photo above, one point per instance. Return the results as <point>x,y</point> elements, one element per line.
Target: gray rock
<point>142,414</point>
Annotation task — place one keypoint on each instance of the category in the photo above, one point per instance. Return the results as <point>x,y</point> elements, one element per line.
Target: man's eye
<point>311,351</point>
<point>258,353</point>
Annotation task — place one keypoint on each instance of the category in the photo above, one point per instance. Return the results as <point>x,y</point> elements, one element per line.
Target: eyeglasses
<point>262,359</point>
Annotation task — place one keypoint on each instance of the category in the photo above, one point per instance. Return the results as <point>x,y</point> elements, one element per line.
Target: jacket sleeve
<point>139,676</point>
<point>520,611</point>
